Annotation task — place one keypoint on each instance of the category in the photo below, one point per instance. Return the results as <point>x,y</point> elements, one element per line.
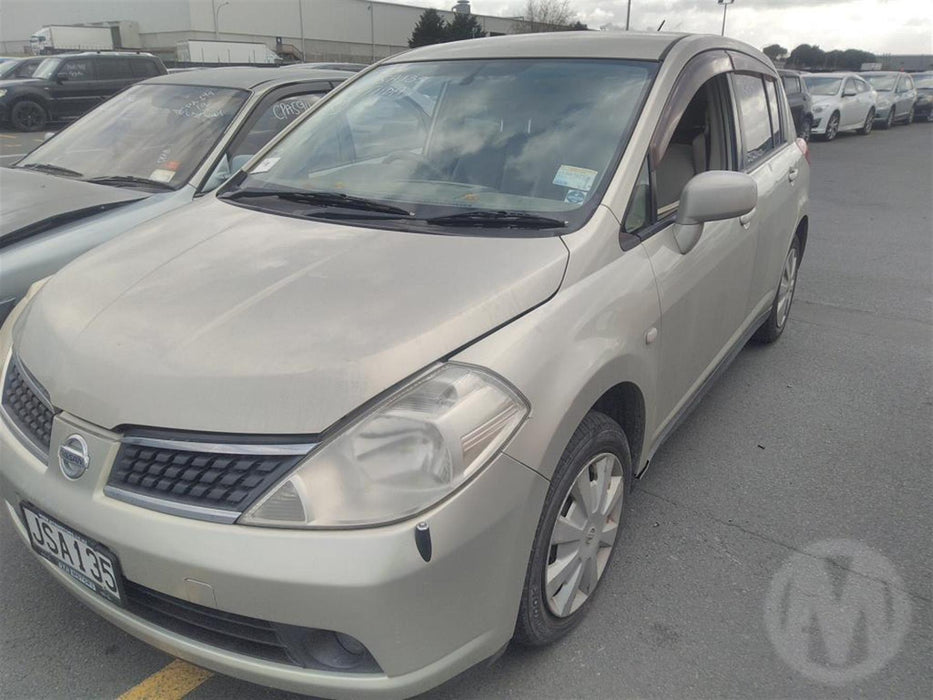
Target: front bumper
<point>423,622</point>
<point>882,113</point>
<point>819,124</point>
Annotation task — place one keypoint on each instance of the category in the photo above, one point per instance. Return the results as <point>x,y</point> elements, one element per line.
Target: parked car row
<point>372,408</point>
<point>825,104</point>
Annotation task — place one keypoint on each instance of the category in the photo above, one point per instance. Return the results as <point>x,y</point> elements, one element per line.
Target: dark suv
<point>67,86</point>
<point>800,102</point>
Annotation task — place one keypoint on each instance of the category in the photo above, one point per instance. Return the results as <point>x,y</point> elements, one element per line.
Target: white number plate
<point>86,561</point>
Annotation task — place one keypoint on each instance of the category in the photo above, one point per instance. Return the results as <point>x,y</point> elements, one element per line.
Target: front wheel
<point>832,127</point>
<point>910,116</point>
<point>889,122</point>
<point>577,532</point>
<point>28,115</point>
<point>773,327</point>
<point>869,123</point>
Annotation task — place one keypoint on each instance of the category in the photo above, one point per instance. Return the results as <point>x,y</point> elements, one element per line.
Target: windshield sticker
<point>576,178</point>
<point>266,164</point>
<point>575,197</point>
<point>162,175</point>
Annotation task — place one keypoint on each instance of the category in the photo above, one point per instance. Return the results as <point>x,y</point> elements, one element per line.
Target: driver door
<point>853,112</point>
<point>73,88</point>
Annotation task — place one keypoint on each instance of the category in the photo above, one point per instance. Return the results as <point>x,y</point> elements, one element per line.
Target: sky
<point>879,26</point>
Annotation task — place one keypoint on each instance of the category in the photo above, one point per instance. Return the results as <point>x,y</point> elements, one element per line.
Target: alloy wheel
<point>832,127</point>
<point>30,116</point>
<point>869,122</point>
<point>584,534</point>
<point>786,287</point>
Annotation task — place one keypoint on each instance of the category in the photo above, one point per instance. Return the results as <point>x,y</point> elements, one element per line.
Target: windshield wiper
<point>51,169</point>
<point>322,199</point>
<point>497,219</point>
<point>130,180</point>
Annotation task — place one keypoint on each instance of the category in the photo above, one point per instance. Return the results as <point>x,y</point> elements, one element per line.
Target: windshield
<point>882,83</point>
<point>822,86</point>
<point>923,80</point>
<point>47,68</point>
<point>435,139</point>
<point>155,132</point>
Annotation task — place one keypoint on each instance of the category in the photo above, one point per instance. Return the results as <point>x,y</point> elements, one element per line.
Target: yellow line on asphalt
<point>173,682</point>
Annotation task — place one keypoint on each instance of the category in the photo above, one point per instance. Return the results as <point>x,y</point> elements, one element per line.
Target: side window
<point>757,136</point>
<point>638,213</point>
<point>276,117</point>
<point>26,70</point>
<point>702,140</point>
<point>777,134</point>
<point>791,84</point>
<point>113,69</point>
<point>861,86</point>
<point>75,70</point>
<point>143,68</point>
<point>849,87</point>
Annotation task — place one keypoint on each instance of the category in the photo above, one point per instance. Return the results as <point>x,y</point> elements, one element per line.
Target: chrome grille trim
<point>184,510</point>
<point>224,448</point>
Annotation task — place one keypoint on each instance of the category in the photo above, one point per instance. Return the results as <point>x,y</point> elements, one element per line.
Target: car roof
<point>649,46</point>
<point>835,74</point>
<point>105,54</point>
<point>247,77</point>
<point>788,71</point>
<point>881,72</point>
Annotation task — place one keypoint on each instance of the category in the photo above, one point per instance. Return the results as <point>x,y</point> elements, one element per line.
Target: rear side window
<point>791,84</point>
<point>76,70</point>
<point>276,117</point>
<point>754,115</point>
<point>777,134</point>
<point>113,69</point>
<point>143,68</point>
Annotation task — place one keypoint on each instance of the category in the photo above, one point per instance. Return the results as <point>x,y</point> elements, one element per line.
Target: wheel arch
<point>803,227</point>
<point>625,404</point>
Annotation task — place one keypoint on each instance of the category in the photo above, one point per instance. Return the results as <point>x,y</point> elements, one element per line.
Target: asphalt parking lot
<point>824,436</point>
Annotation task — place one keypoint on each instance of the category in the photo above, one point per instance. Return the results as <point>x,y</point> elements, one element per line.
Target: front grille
<point>270,641</point>
<point>25,403</point>
<point>207,475</point>
<point>236,633</point>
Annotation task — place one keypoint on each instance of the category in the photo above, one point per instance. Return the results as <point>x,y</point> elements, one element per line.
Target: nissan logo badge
<point>72,457</point>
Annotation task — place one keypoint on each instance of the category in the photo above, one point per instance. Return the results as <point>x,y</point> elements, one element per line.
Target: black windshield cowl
<point>497,219</point>
<point>51,169</point>
<point>129,181</point>
<point>321,199</point>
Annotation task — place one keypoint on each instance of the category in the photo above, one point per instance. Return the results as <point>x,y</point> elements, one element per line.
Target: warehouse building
<point>357,31</point>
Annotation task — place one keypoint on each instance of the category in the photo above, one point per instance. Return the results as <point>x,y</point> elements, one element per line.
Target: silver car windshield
<point>822,86</point>
<point>455,137</point>
<point>155,132</point>
<point>882,83</point>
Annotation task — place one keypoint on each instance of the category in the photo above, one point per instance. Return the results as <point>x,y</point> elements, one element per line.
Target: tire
<point>28,115</point>
<point>774,325</point>
<point>910,116</point>
<point>869,123</point>
<point>598,447</point>
<point>832,127</point>
<point>889,122</point>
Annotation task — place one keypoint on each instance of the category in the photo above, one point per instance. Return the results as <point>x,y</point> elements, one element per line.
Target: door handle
<point>792,173</point>
<point>746,219</point>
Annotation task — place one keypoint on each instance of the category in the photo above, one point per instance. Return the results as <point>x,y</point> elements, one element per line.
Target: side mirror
<point>712,196</point>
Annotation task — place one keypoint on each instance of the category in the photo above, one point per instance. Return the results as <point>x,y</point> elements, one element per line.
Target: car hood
<point>13,82</point>
<point>33,202</point>
<point>824,99</point>
<point>222,319</point>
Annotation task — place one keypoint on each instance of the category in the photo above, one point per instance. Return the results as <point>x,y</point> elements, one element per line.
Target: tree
<point>774,51</point>
<point>806,56</point>
<point>464,26</point>
<point>430,29</point>
<point>544,16</point>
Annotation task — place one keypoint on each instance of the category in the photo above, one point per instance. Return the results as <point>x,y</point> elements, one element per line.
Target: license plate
<point>85,560</point>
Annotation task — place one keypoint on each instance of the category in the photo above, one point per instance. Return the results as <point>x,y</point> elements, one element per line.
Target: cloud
<point>879,26</point>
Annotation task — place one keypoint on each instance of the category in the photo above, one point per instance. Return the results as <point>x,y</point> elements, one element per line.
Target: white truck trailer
<point>58,38</point>
<point>221,52</point>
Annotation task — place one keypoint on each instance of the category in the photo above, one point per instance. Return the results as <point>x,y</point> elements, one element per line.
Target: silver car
<point>896,97</point>
<point>373,410</point>
<point>146,151</point>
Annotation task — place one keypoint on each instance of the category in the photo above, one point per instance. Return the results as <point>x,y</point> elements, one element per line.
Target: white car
<point>841,102</point>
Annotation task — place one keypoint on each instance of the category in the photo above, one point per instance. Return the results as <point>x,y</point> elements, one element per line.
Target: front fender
<point>564,355</point>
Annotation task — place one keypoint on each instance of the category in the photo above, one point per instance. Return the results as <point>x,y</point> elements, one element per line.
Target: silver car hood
<point>32,202</point>
<point>219,318</point>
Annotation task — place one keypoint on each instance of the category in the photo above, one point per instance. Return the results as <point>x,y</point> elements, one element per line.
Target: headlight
<point>2,92</point>
<point>401,457</point>
<point>818,109</point>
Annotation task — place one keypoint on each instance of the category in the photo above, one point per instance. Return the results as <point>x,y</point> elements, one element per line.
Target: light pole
<point>628,14</point>
<point>372,32</point>
<point>725,4</point>
<point>216,9</point>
